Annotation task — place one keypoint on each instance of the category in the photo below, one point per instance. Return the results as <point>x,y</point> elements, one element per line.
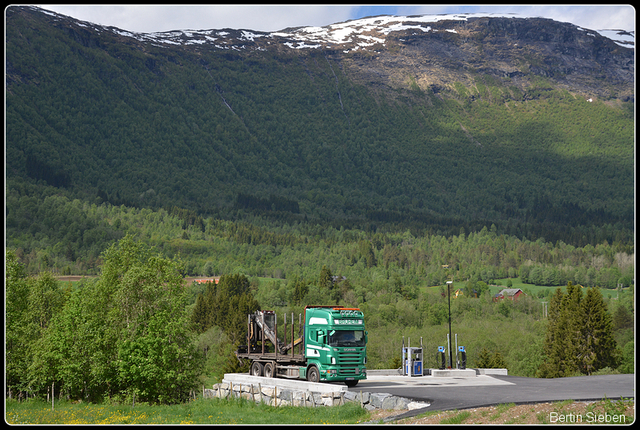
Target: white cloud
<point>147,18</point>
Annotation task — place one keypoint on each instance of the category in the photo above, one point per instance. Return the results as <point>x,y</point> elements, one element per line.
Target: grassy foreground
<point>604,411</point>
<point>240,411</point>
<point>200,411</point>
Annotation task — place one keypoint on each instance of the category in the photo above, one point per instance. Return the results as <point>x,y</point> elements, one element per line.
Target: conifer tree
<point>225,305</point>
<point>325,280</point>
<point>563,333</point>
<point>579,334</point>
<point>571,319</point>
<point>598,344</point>
<point>484,359</point>
<point>553,343</point>
<point>199,316</point>
<point>489,360</point>
<point>622,318</point>
<point>300,290</point>
<point>328,285</point>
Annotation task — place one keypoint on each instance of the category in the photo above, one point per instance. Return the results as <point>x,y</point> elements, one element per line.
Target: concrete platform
<point>453,373</point>
<point>380,378</point>
<point>500,372</point>
<point>293,384</point>
<point>383,383</point>
<point>383,372</point>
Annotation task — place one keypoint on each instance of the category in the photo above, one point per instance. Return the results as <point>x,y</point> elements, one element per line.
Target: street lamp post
<point>449,296</point>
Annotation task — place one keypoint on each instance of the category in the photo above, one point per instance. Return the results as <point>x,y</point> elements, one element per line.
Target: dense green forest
<point>66,237</point>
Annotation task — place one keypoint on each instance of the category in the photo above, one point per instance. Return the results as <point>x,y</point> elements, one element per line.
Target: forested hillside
<point>296,135</point>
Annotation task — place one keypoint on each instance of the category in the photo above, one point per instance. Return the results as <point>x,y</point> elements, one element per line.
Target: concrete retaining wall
<point>278,396</point>
<point>453,373</point>
<point>295,392</point>
<point>491,371</point>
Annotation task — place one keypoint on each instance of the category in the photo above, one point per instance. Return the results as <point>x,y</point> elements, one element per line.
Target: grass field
<point>536,291</point>
<point>240,411</point>
<point>199,411</point>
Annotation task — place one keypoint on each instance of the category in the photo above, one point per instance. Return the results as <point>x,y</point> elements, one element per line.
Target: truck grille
<point>347,358</point>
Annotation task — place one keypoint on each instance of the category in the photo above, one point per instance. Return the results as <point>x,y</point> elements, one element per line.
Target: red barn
<point>509,293</point>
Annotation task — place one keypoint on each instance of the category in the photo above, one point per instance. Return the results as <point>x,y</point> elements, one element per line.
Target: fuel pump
<point>412,359</point>
<point>462,363</point>
<point>440,357</point>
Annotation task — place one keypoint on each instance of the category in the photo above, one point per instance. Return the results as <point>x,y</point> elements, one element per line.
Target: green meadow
<point>199,411</point>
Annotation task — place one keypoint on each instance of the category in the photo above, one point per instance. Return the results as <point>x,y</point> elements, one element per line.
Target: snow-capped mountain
<point>438,51</point>
<point>364,33</point>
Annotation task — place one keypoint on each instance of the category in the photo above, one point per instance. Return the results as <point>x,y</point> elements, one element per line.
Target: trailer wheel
<point>269,370</point>
<point>256,368</point>
<point>313,375</point>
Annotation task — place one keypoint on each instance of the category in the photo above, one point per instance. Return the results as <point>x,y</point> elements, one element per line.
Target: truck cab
<point>335,344</point>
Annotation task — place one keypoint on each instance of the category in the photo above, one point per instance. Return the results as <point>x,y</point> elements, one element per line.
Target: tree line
<point>67,236</point>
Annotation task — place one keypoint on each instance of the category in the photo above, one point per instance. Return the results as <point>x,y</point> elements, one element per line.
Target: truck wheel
<point>313,375</point>
<point>351,383</point>
<point>268,370</point>
<point>256,368</point>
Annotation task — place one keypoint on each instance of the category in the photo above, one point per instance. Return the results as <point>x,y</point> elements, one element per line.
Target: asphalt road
<point>484,390</point>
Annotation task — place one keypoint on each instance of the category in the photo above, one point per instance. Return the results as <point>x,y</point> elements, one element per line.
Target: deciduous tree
<point>128,332</point>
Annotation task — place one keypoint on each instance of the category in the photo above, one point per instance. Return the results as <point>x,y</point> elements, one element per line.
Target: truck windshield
<point>346,338</point>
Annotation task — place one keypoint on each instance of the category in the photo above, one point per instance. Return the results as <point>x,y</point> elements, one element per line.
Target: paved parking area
<point>463,392</point>
<point>484,390</point>
<point>391,381</point>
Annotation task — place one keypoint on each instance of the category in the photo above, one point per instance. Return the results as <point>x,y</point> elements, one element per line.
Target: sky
<point>260,17</point>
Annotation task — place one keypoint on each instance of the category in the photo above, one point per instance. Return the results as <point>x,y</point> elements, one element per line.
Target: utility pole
<point>449,340</point>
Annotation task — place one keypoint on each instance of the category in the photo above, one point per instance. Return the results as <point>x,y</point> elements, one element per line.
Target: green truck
<point>331,346</point>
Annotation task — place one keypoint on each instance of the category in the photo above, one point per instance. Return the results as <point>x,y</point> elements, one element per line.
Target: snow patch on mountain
<point>361,33</point>
<point>621,37</point>
<point>369,31</point>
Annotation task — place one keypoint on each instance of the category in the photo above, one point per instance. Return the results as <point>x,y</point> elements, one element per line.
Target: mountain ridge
<point>622,37</point>
<point>572,46</point>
